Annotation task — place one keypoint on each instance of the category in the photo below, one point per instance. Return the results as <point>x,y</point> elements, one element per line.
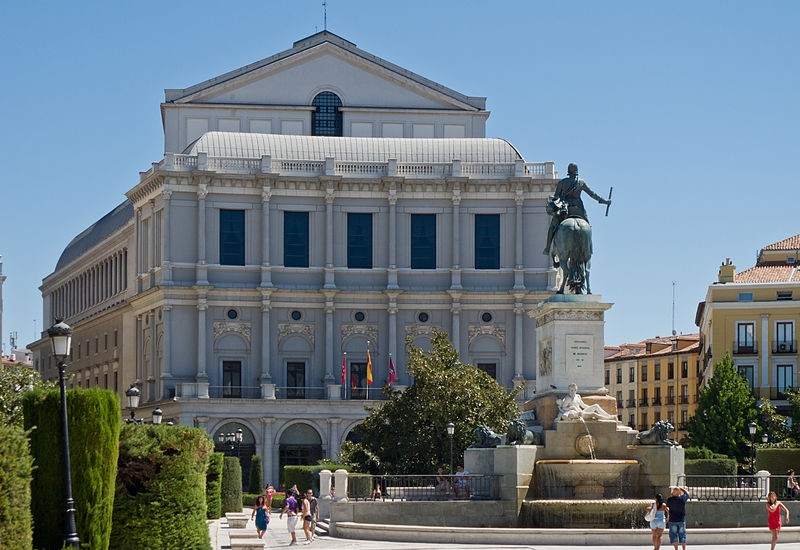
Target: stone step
<point>241,533</point>
<point>247,544</point>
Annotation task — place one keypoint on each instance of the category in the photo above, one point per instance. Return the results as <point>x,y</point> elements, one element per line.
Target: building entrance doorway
<point>300,444</point>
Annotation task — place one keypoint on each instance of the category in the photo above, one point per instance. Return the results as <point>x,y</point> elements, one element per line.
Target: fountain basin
<point>584,514</point>
<point>587,478</point>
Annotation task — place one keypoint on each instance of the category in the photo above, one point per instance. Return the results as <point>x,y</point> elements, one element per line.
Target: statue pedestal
<point>569,337</point>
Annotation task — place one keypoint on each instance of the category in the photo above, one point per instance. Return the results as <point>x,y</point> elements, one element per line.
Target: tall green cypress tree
<point>724,410</point>
<point>254,483</point>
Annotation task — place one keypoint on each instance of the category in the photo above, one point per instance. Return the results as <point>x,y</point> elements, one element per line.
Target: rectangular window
<point>657,416</point>
<point>105,380</point>
<point>231,379</point>
<point>645,425</point>
<point>105,342</point>
<point>619,376</point>
<point>488,368</point>
<point>116,339</point>
<point>671,395</point>
<point>643,401</point>
<point>684,369</point>
<point>631,398</point>
<point>96,345</point>
<point>295,239</point>
<point>359,240</point>
<point>784,295</point>
<point>657,396</point>
<point>784,337</point>
<point>785,379</point>
<point>684,418</point>
<point>295,380</point>
<point>632,374</point>
<point>231,237</point>
<point>684,394</point>
<point>632,421</point>
<point>487,241</point>
<point>358,380</point>
<point>745,296</point>
<point>116,381</point>
<point>423,241</point>
<point>746,372</point>
<point>644,373</point>
<point>619,400</point>
<point>608,377</point>
<point>745,337</point>
<point>670,371</point>
<point>657,371</point>
<point>79,350</point>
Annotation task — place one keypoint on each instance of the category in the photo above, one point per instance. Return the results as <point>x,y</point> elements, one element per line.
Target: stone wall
<point>444,514</point>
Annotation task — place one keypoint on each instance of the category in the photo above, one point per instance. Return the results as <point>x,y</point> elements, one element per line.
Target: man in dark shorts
<point>677,516</point>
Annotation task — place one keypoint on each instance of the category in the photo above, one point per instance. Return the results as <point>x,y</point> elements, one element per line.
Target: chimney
<point>727,271</point>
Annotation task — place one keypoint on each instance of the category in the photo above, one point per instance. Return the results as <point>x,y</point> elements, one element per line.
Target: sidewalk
<point>276,536</point>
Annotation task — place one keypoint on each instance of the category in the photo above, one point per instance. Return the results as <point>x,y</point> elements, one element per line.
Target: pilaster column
<point>519,320</point>
<point>266,271</point>
<point>166,240</point>
<point>455,269</point>
<point>139,243</point>
<point>329,351</point>
<point>166,342</point>
<point>392,280</point>
<point>765,348</point>
<point>267,449</point>
<point>151,374</point>
<point>202,271</point>
<point>455,311</point>
<point>139,354</point>
<point>330,195</point>
<point>519,268</point>
<point>333,437</point>
<point>151,237</point>
<point>201,377</point>
<point>267,387</point>
<point>393,330</point>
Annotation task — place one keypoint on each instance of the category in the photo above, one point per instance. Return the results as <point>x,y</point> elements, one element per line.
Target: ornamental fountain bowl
<point>586,479</point>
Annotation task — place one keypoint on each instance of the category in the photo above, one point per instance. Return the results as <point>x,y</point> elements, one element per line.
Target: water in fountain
<point>589,440</point>
<point>584,514</point>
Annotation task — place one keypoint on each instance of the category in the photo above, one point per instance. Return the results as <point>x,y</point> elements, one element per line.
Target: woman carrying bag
<point>657,514</point>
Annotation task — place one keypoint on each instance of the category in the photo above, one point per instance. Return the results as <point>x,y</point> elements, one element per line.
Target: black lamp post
<point>238,437</point>
<point>752,427</point>
<point>133,394</point>
<point>451,429</point>
<point>61,337</point>
<point>157,416</point>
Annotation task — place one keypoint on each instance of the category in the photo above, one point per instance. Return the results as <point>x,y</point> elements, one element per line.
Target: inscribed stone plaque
<point>579,351</point>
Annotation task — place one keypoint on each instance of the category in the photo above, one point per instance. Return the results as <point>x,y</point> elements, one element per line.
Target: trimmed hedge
<point>711,467</point>
<point>161,488</point>
<point>359,485</point>
<point>254,485</point>
<point>15,488</point>
<point>696,453</point>
<point>94,428</point>
<point>307,476</point>
<point>777,461</point>
<point>214,486</point>
<point>231,485</point>
<point>249,499</point>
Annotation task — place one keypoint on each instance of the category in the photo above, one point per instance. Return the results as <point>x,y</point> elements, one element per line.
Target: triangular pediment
<point>325,61</point>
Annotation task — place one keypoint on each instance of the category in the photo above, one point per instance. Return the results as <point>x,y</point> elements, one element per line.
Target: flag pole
<point>368,359</point>
<point>345,375</point>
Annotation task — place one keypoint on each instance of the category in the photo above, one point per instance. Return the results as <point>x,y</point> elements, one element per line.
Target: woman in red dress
<point>774,507</point>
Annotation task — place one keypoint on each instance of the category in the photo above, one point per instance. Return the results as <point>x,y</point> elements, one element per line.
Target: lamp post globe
<point>451,430</point>
<point>765,438</point>
<point>132,395</point>
<point>157,416</point>
<point>60,335</point>
<point>239,435</point>
<point>752,427</point>
<point>221,438</point>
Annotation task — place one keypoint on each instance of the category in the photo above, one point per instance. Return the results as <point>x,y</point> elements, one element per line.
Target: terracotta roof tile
<point>768,274</point>
<point>789,243</point>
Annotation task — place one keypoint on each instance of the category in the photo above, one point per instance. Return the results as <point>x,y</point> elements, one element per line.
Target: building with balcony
<point>309,207</point>
<point>655,379</point>
<point>752,316</point>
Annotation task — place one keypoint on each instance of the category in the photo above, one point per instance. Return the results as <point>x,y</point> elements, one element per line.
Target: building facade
<point>752,316</point>
<point>271,245</point>
<point>655,379</point>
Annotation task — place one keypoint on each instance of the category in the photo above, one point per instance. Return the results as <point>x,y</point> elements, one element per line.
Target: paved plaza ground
<point>278,537</point>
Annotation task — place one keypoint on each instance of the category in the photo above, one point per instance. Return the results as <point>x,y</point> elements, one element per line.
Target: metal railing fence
<point>711,488</point>
<point>423,487</point>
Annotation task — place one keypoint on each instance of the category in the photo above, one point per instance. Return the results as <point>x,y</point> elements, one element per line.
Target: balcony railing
<point>299,392</point>
<point>749,348</point>
<point>685,399</point>
<point>234,392</point>
<point>656,401</point>
<point>643,402</point>
<point>779,393</point>
<point>670,400</point>
<point>682,426</point>
<point>784,347</point>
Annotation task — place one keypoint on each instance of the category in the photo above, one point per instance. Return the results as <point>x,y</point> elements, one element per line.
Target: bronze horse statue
<point>571,250</point>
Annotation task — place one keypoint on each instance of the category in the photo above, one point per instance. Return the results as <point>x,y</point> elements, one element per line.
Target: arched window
<point>326,119</point>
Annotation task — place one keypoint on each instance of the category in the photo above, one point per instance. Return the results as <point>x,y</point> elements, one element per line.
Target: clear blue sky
<point>689,109</point>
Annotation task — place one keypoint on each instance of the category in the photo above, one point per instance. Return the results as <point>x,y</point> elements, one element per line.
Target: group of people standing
<point>297,506</point>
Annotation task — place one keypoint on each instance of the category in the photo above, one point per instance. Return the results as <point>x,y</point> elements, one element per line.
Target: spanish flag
<point>369,368</point>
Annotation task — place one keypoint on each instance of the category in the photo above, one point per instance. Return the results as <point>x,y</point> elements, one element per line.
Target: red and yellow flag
<point>369,368</point>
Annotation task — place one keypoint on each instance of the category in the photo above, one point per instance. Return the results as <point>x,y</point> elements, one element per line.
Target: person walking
<point>290,508</point>
<point>313,506</point>
<point>269,492</point>
<point>658,512</point>
<point>676,524</point>
<point>774,508</point>
<point>305,507</point>
<point>261,513</point>
<point>792,487</point>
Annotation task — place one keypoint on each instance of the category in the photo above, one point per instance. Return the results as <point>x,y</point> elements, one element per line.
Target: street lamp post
<point>157,416</point>
<point>752,427</point>
<point>61,337</point>
<point>238,437</point>
<point>133,394</point>
<point>451,429</point>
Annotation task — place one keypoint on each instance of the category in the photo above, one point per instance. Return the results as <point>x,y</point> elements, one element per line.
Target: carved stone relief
<point>237,327</point>
<point>305,330</point>
<point>498,331</point>
<point>569,315</point>
<point>370,332</point>
<point>545,357</point>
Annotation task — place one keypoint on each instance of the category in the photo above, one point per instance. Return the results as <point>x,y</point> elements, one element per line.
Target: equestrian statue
<point>569,238</point>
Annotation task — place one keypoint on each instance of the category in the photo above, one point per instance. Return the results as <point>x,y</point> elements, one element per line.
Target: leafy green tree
<point>724,410</point>
<point>793,396</point>
<point>407,433</point>
<point>775,425</point>
<point>15,380</point>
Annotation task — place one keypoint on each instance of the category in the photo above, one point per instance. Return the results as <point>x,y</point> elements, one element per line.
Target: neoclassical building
<point>309,207</point>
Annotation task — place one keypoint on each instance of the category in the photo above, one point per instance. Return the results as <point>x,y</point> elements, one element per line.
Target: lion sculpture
<point>657,435</point>
<point>485,438</point>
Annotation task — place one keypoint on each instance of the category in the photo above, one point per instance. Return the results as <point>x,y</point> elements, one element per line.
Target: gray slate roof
<point>243,145</point>
<point>96,233</point>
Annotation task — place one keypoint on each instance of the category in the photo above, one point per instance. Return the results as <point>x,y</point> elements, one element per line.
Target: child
<point>261,513</point>
<point>774,508</point>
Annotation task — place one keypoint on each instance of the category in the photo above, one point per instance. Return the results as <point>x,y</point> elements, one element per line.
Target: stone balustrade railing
<point>354,169</point>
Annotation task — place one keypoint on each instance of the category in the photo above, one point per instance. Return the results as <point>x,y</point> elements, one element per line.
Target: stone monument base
<point>546,408</point>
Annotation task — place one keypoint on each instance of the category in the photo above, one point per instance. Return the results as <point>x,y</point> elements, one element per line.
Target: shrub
<point>94,427</point>
<point>359,485</point>
<point>161,488</point>
<point>308,475</point>
<point>254,485</point>
<point>249,499</point>
<point>15,488</point>
<point>777,461</point>
<point>711,467</point>
<point>696,453</point>
<point>214,486</point>
<point>231,485</point>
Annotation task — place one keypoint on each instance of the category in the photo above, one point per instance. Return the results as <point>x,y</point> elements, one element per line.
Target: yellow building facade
<point>752,315</point>
<point>655,379</point>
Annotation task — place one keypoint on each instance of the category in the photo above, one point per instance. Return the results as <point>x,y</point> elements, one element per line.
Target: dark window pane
<point>488,368</point>
<point>359,240</point>
<point>423,241</point>
<point>487,241</point>
<point>295,239</point>
<point>231,379</point>
<point>326,120</point>
<point>358,380</point>
<point>231,237</point>
<point>296,380</point>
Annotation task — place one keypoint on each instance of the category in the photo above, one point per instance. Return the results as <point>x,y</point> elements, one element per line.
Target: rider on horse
<point>568,192</point>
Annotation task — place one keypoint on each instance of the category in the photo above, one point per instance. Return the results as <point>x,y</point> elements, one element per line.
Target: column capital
<point>456,197</point>
<point>167,194</point>
<point>202,304</point>
<point>266,420</point>
<point>330,194</point>
<point>166,307</point>
<point>519,197</point>
<point>392,197</point>
<point>765,316</point>
<point>266,193</point>
<point>202,191</point>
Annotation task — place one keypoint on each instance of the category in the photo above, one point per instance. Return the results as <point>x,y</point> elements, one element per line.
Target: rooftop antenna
<point>673,309</point>
<point>325,15</point>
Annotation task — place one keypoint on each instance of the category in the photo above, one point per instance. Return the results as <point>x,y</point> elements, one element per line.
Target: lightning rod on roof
<point>673,309</point>
<point>325,15</point>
